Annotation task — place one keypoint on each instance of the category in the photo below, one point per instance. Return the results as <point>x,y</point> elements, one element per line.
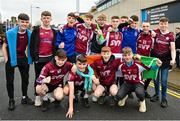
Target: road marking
<point>173,93</point>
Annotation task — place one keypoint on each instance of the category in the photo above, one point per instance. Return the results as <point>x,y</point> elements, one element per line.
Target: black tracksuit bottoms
<point>23,66</point>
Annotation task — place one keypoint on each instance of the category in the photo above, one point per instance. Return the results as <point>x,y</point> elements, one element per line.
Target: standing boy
<point>67,36</point>
<point>84,35</point>
<point>14,48</point>
<point>177,43</point>
<point>164,49</point>
<point>103,27</point>
<point>144,47</point>
<point>42,46</point>
<point>130,33</point>
<point>114,37</point>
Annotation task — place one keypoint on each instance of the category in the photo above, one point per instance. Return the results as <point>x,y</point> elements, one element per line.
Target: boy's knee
<point>119,95</point>
<point>58,94</point>
<point>113,90</point>
<point>66,90</point>
<point>97,93</point>
<point>41,90</point>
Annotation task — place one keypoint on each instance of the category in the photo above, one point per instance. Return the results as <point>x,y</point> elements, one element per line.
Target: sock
<point>86,96</point>
<point>45,98</point>
<point>24,97</point>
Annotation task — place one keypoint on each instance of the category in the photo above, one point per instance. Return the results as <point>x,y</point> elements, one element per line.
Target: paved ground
<point>1,56</point>
<point>174,79</point>
<point>98,112</point>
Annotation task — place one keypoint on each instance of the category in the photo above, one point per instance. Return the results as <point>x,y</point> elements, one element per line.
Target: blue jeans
<point>163,76</point>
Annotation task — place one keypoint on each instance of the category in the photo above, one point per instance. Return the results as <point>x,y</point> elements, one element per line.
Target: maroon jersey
<point>105,28</point>
<point>114,40</point>
<point>55,72</point>
<point>133,74</point>
<point>22,42</point>
<point>77,79</point>
<point>144,44</point>
<point>45,45</point>
<point>162,43</point>
<point>106,72</point>
<point>84,36</point>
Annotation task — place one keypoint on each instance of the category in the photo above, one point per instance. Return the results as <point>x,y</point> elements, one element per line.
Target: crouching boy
<point>106,69</point>
<point>82,80</point>
<point>132,72</point>
<point>51,79</point>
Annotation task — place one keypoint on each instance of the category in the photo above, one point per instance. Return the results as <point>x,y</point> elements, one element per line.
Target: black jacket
<point>177,42</point>
<point>34,44</point>
<point>95,47</point>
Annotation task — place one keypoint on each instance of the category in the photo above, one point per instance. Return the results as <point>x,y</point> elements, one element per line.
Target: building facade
<point>147,10</point>
<point>0,18</point>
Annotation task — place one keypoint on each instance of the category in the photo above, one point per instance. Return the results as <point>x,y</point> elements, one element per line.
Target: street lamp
<point>77,6</point>
<point>31,11</point>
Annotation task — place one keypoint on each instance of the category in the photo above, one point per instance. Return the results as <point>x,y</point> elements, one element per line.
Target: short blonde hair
<point>88,15</point>
<point>127,50</point>
<point>102,17</point>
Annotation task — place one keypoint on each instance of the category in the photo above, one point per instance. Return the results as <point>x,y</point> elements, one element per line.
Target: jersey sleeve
<point>93,65</point>
<point>72,77</point>
<point>172,38</point>
<point>69,66</point>
<point>44,73</point>
<point>59,38</point>
<point>117,63</point>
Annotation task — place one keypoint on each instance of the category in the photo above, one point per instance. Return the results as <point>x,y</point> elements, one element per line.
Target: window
<point>109,4</point>
<point>113,2</point>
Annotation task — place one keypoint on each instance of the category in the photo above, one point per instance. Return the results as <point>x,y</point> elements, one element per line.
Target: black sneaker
<point>86,102</point>
<point>11,105</point>
<point>155,98</point>
<point>164,103</point>
<point>101,100</point>
<point>76,100</point>
<point>45,106</point>
<point>27,101</point>
<point>82,94</point>
<point>112,102</point>
<point>147,95</point>
<point>57,103</point>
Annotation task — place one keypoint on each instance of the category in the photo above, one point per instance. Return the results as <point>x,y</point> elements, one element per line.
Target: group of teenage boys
<point>56,54</point>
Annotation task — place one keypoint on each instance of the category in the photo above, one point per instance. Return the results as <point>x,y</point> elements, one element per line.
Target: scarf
<point>88,78</point>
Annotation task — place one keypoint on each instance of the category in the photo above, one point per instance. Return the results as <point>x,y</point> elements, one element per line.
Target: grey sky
<point>58,8</point>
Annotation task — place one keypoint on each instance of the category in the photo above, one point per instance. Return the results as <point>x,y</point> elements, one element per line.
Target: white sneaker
<point>50,97</point>
<point>94,98</point>
<point>142,107</point>
<point>123,101</point>
<point>38,101</point>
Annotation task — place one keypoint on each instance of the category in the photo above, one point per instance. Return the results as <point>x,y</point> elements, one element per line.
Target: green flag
<point>149,61</point>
